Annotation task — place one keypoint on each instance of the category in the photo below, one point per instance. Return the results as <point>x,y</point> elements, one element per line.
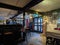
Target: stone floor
<point>35,39</point>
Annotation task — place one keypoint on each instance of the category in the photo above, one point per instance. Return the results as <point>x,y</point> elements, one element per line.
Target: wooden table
<point>53,33</point>
<point>52,37</point>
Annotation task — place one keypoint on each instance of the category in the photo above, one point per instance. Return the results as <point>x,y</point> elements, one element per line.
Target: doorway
<point>37,21</point>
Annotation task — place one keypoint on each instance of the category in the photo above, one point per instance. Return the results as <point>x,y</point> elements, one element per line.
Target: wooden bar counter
<point>9,34</point>
<point>53,37</point>
<point>53,33</point>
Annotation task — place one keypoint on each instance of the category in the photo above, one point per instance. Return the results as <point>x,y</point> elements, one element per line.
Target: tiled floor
<point>35,39</point>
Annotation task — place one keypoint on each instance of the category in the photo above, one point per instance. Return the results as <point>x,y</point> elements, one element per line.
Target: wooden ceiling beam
<point>7,6</point>
<point>31,4</point>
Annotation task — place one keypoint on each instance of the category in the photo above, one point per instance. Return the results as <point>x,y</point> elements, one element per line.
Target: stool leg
<point>49,41</point>
<point>57,41</point>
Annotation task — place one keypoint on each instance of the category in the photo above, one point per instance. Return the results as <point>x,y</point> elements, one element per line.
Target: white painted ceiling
<point>7,12</point>
<point>44,6</point>
<point>19,3</point>
<point>47,5</point>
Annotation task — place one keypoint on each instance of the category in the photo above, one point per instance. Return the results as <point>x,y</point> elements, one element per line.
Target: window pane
<point>38,19</point>
<point>38,23</point>
<point>35,20</point>
<point>35,27</point>
<point>41,20</point>
<point>40,28</point>
<point>35,23</point>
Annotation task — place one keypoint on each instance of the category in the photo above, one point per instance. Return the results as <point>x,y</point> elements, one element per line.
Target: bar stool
<point>28,35</point>
<point>50,41</point>
<point>57,41</point>
<point>22,40</point>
